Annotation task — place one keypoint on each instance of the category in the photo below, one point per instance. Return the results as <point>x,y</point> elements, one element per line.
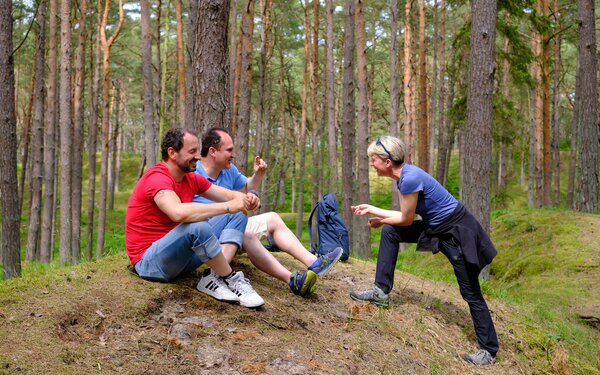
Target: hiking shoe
<point>375,295</point>
<point>325,262</point>
<point>240,285</point>
<point>213,285</point>
<point>302,283</point>
<point>481,357</point>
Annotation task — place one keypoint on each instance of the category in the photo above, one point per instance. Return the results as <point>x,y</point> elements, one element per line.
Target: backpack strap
<point>313,247</point>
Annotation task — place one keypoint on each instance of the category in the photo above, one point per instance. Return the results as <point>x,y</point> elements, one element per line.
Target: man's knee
<point>274,221</point>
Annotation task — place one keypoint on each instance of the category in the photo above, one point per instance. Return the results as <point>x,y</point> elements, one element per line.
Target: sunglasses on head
<point>379,143</point>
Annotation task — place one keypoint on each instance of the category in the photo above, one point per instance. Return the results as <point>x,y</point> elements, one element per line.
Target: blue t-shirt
<point>435,203</point>
<point>229,178</point>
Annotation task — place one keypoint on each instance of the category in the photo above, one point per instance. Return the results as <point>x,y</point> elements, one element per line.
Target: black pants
<point>467,276</point>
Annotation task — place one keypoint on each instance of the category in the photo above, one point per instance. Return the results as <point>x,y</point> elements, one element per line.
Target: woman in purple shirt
<point>445,225</point>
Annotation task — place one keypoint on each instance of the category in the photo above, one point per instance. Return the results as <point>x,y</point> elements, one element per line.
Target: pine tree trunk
<point>478,135</point>
<point>180,62</point>
<point>106,46</point>
<point>46,242</point>
<point>263,102</point>
<point>408,86</point>
<point>77,175</point>
<point>314,79</point>
<point>66,140</point>
<point>35,196</point>
<point>93,132</point>
<point>9,197</point>
<point>299,175</point>
<point>150,136</point>
<point>556,113</point>
<point>348,121</point>
<point>331,113</point>
<point>587,171</point>
<point>443,123</point>
<point>245,104</point>
<point>208,71</point>
<point>423,130</point>
<point>363,235</point>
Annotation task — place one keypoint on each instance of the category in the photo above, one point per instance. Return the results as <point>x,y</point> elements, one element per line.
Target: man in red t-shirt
<point>166,234</point>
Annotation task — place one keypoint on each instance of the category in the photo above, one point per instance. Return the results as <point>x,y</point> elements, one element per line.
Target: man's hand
<point>243,202</point>
<point>260,166</point>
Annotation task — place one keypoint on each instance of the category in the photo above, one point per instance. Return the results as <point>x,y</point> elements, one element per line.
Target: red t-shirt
<point>144,221</point>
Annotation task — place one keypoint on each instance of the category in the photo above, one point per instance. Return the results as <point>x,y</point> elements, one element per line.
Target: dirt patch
<point>115,322</point>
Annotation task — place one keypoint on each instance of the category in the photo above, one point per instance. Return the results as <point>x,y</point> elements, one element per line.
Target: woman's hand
<point>361,209</point>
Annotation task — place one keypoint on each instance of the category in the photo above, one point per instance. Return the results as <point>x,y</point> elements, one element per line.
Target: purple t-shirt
<point>435,203</point>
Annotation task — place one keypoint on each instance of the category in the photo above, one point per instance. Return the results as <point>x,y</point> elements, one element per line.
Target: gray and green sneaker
<point>302,283</point>
<point>325,262</point>
<point>481,357</point>
<point>374,295</point>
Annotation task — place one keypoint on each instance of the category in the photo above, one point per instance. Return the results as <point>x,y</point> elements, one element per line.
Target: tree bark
<point>408,86</point>
<point>66,136</point>
<point>478,136</point>
<point>299,175</point>
<point>9,196</point>
<point>77,175</point>
<point>423,129</point>
<point>556,111</point>
<point>106,46</point>
<point>331,114</point>
<point>32,251</point>
<point>180,62</point>
<point>245,104</point>
<point>348,120</point>
<point>93,131</point>
<point>587,75</point>
<point>208,94</point>
<point>46,241</point>
<point>314,79</point>
<point>150,136</point>
<point>363,236</point>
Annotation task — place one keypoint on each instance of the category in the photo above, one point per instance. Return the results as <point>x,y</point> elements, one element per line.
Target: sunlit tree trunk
<point>573,138</point>
<point>180,62</point>
<point>26,139</point>
<point>348,120</point>
<point>9,196</point>
<point>443,122</point>
<point>408,85</point>
<point>93,132</point>
<point>587,171</point>
<point>478,135</point>
<point>331,114</point>
<point>245,104</point>
<point>423,129</point>
<point>106,46</point>
<point>150,136</point>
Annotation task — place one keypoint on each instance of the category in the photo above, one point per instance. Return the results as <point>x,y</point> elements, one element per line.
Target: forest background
<point>306,85</point>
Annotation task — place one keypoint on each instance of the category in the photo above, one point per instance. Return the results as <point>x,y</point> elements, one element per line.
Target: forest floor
<point>97,317</point>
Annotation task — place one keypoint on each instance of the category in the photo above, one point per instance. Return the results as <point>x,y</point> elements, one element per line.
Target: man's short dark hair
<point>212,138</point>
<point>173,139</point>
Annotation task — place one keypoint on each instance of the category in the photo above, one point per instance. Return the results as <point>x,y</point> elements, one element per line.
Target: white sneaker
<point>242,288</point>
<point>213,285</point>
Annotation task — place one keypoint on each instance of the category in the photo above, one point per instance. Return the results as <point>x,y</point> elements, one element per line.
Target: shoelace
<point>243,285</point>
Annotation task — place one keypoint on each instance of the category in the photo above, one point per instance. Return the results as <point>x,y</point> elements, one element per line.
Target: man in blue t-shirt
<point>216,165</point>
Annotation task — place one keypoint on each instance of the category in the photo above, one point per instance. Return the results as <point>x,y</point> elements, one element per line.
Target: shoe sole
<point>252,306</point>
<point>330,266</point>
<point>384,305</point>
<point>232,301</point>
<point>309,284</point>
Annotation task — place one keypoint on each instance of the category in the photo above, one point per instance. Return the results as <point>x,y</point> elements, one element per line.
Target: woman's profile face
<point>380,165</point>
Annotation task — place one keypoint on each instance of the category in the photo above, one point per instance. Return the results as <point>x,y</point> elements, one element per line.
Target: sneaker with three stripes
<point>212,284</point>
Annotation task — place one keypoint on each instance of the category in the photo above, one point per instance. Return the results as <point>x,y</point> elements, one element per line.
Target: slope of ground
<point>99,318</point>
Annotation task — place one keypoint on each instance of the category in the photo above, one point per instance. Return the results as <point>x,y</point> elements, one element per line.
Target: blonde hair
<point>388,147</point>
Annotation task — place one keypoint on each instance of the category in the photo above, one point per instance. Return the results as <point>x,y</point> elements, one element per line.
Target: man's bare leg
<point>263,259</point>
<point>286,240</point>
